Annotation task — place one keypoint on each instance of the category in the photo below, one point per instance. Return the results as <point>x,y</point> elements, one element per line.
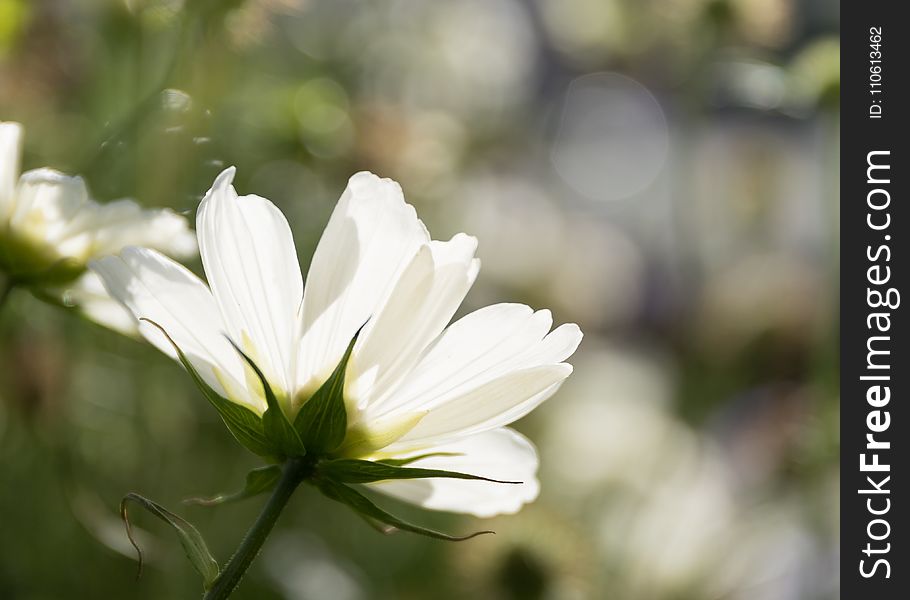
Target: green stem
<point>144,104</point>
<point>294,472</point>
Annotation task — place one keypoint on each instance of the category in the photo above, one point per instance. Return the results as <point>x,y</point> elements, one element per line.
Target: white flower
<point>50,229</point>
<point>413,386</point>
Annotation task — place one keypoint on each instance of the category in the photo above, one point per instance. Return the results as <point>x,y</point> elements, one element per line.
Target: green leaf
<point>244,424</point>
<point>190,538</point>
<point>348,470</point>
<point>323,419</point>
<point>258,481</point>
<point>369,511</point>
<point>275,423</point>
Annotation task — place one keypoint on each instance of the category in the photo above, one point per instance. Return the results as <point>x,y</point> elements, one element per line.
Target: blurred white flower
<point>305,568</point>
<point>412,385</point>
<point>50,229</point>
<point>523,228</point>
<point>616,414</point>
<point>677,532</point>
<point>581,265</point>
<point>670,515</point>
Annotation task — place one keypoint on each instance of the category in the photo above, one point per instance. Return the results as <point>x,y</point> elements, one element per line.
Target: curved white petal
<point>155,287</point>
<point>487,406</point>
<point>90,298</point>
<point>370,238</point>
<point>501,454</point>
<point>422,303</point>
<point>478,348</point>
<point>126,223</point>
<point>486,370</point>
<point>251,265</point>
<point>10,153</point>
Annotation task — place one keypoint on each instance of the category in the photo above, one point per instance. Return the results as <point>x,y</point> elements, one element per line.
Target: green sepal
<point>274,422</point>
<point>400,462</point>
<point>322,421</point>
<point>370,512</point>
<point>244,424</point>
<point>377,526</point>
<point>36,266</point>
<point>349,470</point>
<point>190,538</point>
<point>258,481</point>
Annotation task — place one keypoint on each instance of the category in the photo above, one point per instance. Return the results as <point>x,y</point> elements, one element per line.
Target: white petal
<point>88,295</point>
<point>50,206</point>
<point>422,303</point>
<point>371,237</point>
<point>478,348</point>
<point>10,153</point>
<point>125,223</point>
<point>251,264</point>
<point>155,287</point>
<point>487,406</point>
<point>486,370</point>
<point>501,454</point>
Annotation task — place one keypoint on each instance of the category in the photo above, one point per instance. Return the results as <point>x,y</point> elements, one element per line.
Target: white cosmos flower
<point>413,385</point>
<point>50,229</point>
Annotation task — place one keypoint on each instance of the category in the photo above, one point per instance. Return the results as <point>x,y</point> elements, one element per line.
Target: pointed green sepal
<point>348,470</point>
<point>274,422</point>
<point>323,419</point>
<point>190,538</point>
<point>258,481</point>
<point>369,511</point>
<point>400,462</point>
<point>377,526</point>
<point>244,424</point>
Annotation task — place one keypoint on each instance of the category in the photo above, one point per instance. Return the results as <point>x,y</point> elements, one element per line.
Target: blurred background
<point>663,172</point>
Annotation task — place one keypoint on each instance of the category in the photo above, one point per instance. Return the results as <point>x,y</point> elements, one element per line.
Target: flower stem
<point>294,472</point>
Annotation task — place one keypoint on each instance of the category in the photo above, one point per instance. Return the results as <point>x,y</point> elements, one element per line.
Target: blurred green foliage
<point>718,276</point>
